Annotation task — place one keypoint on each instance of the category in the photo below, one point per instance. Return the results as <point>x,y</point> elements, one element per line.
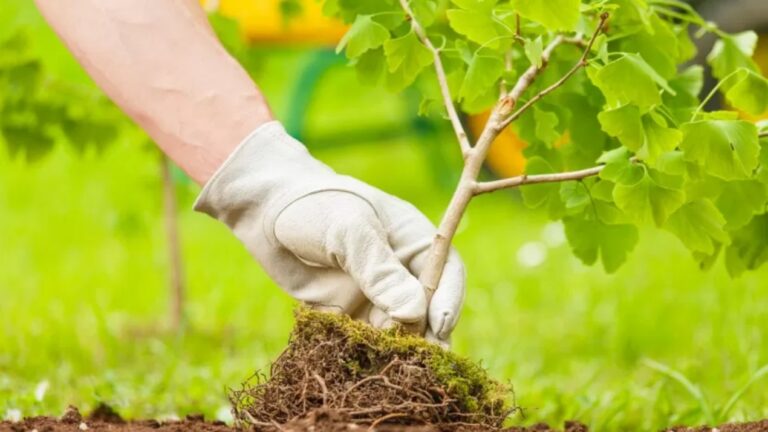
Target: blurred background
<point>112,289</point>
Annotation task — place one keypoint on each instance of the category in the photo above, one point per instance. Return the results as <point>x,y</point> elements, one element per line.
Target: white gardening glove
<point>329,240</point>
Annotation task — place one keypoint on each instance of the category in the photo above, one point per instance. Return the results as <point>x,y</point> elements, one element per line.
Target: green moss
<point>463,380</point>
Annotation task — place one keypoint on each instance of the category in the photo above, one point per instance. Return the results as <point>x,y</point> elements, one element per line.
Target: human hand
<point>331,241</point>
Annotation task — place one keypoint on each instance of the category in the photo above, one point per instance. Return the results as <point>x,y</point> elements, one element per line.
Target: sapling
<point>616,130</point>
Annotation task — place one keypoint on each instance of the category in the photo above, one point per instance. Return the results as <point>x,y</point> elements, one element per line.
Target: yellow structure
<point>263,21</point>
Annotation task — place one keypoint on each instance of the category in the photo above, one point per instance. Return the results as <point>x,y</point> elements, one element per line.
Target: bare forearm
<point>162,64</point>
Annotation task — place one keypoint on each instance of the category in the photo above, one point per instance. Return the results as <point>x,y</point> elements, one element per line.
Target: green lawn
<point>83,297</point>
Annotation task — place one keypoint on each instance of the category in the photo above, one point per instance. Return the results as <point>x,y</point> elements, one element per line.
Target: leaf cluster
<point>638,110</point>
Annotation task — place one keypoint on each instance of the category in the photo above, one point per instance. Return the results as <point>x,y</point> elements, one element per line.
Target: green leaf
<point>624,123</point>
<point>619,154</point>
<point>363,35</point>
<point>750,93</point>
<point>369,66</point>
<point>622,171</point>
<point>748,249</point>
<point>425,12</point>
<point>533,50</point>
<point>739,201</point>
<point>658,47</point>
<point>727,149</point>
<point>646,135</point>
<point>658,137</point>
<point>483,73</point>
<point>542,195</point>
<point>553,14</point>
<point>476,25</point>
<point>687,85</point>
<point>575,196</point>
<point>699,225</point>
<point>672,162</point>
<point>546,124</point>
<point>643,198</point>
<point>629,80</point>
<point>536,195</point>
<point>733,52</point>
<point>590,239</point>
<point>406,57</point>
<point>485,6</point>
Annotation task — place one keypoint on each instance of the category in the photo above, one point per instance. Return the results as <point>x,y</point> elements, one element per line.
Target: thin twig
<point>527,78</point>
<point>322,386</point>
<point>521,180</point>
<point>580,64</point>
<point>442,80</point>
<point>763,134</point>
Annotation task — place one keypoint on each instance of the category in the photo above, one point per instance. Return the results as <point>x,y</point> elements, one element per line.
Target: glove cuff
<point>262,160</point>
<point>267,172</point>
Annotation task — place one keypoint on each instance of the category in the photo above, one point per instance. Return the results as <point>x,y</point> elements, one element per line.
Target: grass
<point>83,298</point>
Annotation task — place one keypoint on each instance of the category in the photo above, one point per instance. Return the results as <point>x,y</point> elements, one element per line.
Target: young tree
<point>600,90</point>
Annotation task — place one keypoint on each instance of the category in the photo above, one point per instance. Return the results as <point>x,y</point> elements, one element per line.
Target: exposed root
<point>369,377</point>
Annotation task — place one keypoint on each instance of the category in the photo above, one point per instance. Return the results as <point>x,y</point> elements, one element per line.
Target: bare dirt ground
<point>104,419</point>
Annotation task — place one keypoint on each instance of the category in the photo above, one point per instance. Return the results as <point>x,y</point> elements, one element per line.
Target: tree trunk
<point>176,289</point>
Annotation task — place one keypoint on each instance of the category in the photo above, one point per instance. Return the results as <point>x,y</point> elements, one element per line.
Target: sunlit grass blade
<point>763,371</point>
<point>690,387</point>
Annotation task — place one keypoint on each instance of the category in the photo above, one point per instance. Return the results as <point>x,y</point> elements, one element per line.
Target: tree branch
<point>580,64</point>
<point>522,180</point>
<point>527,78</point>
<point>763,134</point>
<point>458,128</point>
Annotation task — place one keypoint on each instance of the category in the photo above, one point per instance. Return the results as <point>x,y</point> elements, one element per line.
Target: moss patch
<point>369,376</point>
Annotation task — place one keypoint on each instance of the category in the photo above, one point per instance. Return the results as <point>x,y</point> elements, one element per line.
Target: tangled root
<point>369,377</point>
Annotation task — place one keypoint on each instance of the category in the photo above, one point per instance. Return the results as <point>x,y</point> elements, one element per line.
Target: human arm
<point>162,64</point>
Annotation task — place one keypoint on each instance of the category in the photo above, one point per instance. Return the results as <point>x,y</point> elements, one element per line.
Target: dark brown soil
<point>103,418</point>
<point>758,426</point>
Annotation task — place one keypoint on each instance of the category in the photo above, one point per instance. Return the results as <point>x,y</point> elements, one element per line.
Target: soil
<point>105,419</point>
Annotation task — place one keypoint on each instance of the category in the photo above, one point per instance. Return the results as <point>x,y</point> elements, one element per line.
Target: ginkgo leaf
<point>659,138</point>
<point>552,14</point>
<point>645,199</point>
<point>477,26</point>
<point>733,52</point>
<point>699,225</point>
<point>739,201</point>
<point>629,80</point>
<point>647,135</point>
<point>370,65</point>
<point>727,149</point>
<point>406,57</point>
<point>546,125</point>
<point>364,34</point>
<point>542,195</point>
<point>483,73</point>
<point>750,93</point>
<point>625,124</point>
<point>748,249</point>
<point>659,47</point>
<point>590,239</point>
<point>533,50</point>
